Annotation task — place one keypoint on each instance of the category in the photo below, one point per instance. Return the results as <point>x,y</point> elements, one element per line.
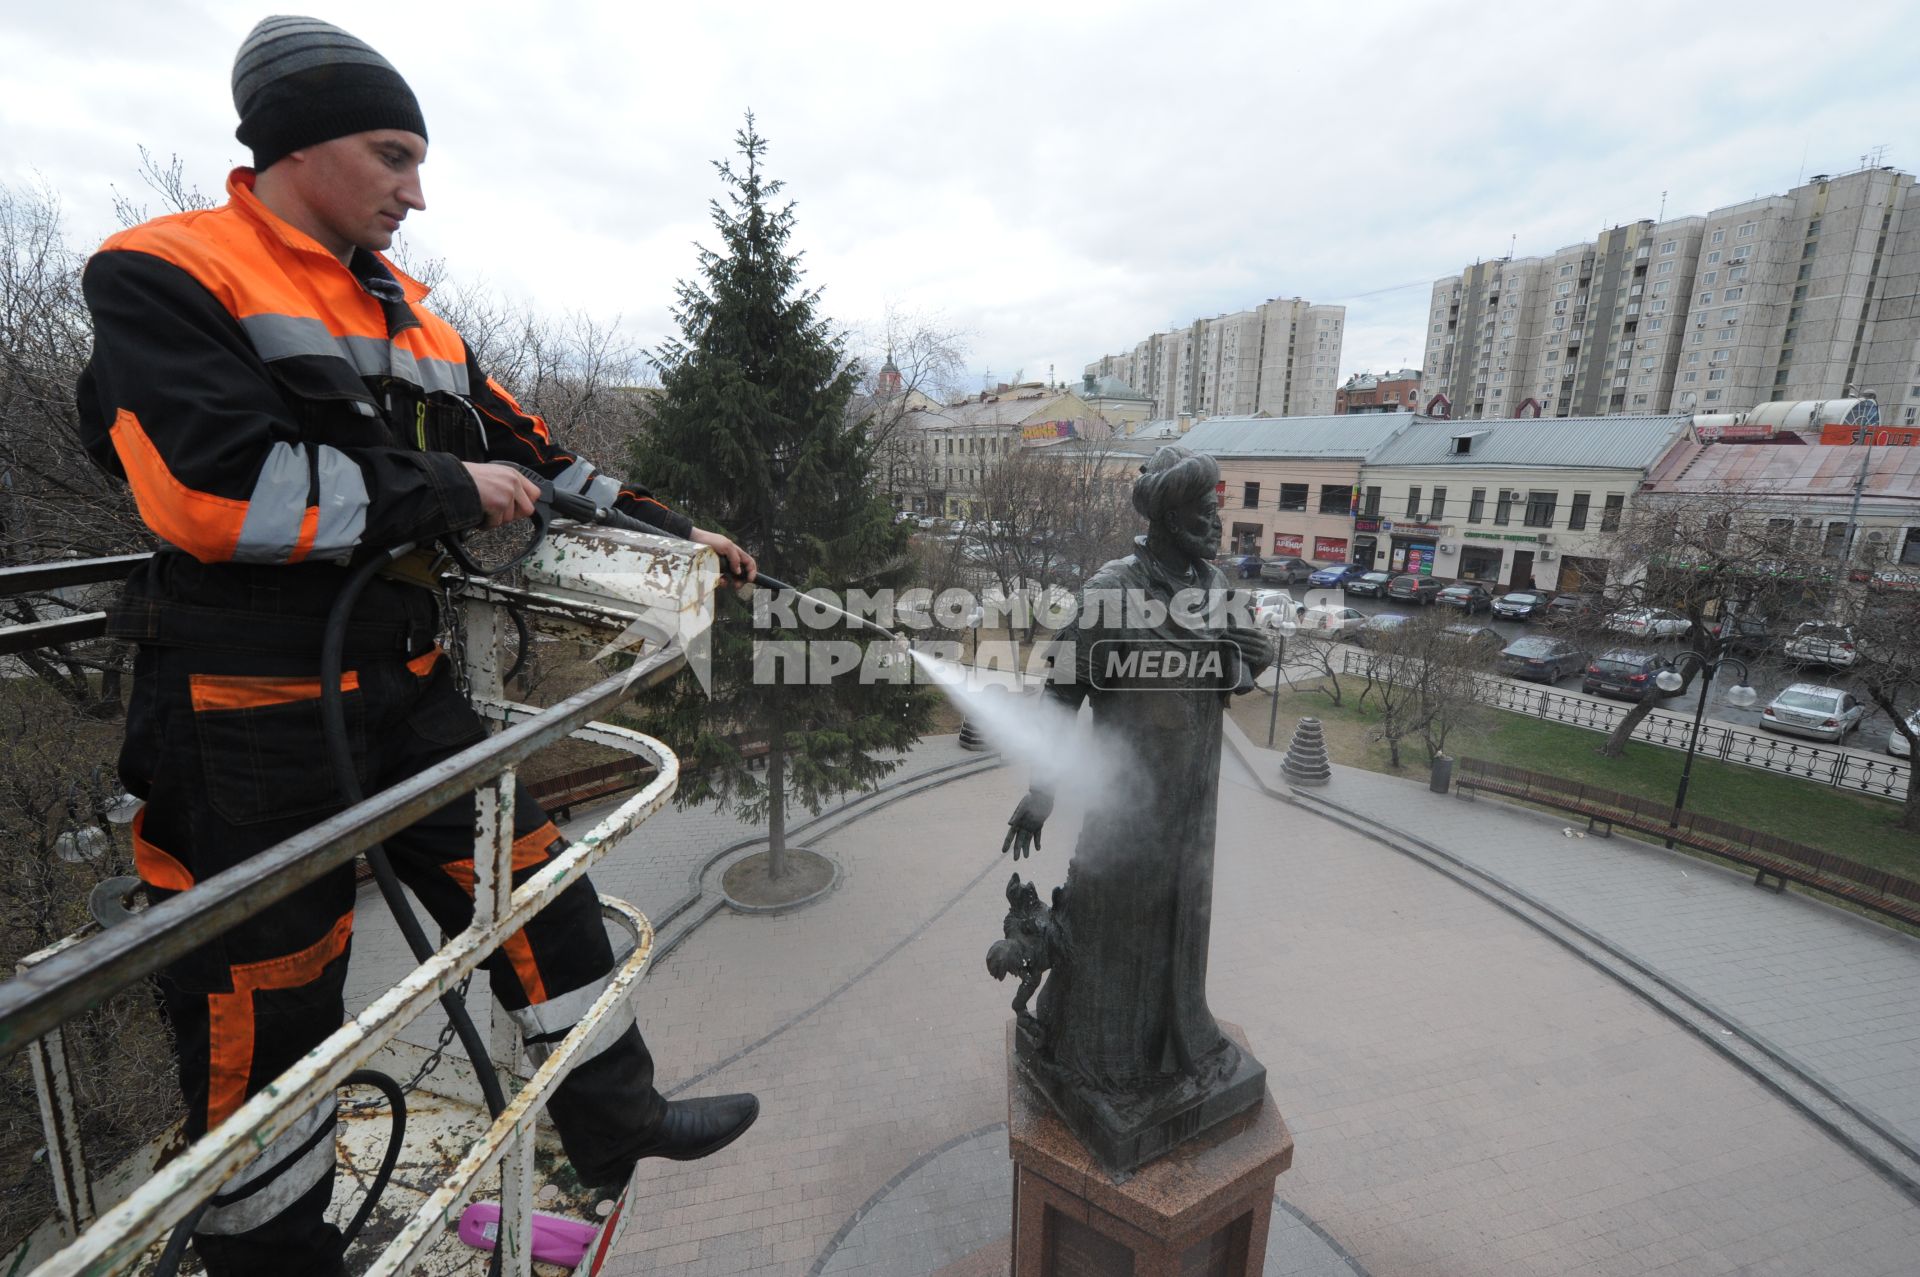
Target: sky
<point>1050,182</point>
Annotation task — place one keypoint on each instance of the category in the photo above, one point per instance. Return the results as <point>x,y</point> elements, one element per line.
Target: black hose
<point>176,1248</point>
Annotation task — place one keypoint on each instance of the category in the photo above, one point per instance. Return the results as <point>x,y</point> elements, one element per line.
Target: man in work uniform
<point>282,405</point>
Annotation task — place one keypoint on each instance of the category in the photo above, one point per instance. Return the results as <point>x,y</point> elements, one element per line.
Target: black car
<point>1286,571</point>
<point>1414,589</point>
<point>1625,672</point>
<point>1542,657</point>
<point>1372,585</point>
<point>1243,567</point>
<point>1748,634</point>
<point>1476,643</point>
<point>1522,605</point>
<point>1468,596</point>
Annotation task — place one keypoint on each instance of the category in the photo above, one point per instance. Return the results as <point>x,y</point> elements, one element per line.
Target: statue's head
<point>1175,491</point>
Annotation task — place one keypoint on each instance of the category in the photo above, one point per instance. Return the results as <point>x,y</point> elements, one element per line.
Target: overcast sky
<point>1054,180</point>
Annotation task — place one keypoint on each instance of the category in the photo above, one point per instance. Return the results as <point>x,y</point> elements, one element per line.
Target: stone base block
<point>1204,1208</point>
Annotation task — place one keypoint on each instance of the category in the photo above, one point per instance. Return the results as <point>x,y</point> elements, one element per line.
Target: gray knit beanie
<point>300,81</point>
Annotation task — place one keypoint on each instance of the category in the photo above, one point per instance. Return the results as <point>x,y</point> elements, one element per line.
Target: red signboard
<point>1286,543</point>
<point>1734,434</point>
<point>1874,436</point>
<point>1334,548</point>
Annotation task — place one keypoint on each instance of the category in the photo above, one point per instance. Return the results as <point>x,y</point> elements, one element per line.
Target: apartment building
<point>1794,296</point>
<point>1287,483</point>
<point>1281,359</point>
<point>1507,502</point>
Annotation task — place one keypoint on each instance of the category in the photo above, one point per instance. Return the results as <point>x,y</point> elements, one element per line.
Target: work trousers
<point>227,751</point>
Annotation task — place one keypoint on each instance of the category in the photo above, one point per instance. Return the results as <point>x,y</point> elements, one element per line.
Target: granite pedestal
<point>1202,1209</point>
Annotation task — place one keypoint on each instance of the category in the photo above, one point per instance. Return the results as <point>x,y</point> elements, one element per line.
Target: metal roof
<point>1780,469</point>
<point>1580,443</point>
<point>1354,435</point>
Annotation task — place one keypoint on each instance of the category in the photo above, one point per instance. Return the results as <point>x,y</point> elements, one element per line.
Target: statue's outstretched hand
<point>1256,653</point>
<point>1023,827</point>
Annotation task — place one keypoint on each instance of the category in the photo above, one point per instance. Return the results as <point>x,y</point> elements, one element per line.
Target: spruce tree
<point>751,436</point>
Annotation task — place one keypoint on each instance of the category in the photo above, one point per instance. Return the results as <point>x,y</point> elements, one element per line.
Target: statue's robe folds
<point>1130,1019</point>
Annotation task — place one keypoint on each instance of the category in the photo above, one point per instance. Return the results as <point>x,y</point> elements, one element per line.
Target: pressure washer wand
<point>772,583</point>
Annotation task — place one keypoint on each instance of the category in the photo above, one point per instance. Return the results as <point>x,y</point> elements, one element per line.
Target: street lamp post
<point>1740,696</point>
<point>1286,629</point>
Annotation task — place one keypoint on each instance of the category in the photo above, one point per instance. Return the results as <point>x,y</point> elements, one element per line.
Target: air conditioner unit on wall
<point>1545,556</point>
<point>1448,547</point>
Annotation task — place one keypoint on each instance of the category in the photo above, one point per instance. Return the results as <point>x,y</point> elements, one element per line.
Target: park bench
<point>1768,855</point>
<point>558,795</point>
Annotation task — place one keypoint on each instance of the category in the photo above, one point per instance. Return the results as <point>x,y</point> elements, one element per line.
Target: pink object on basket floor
<point>555,1240</point>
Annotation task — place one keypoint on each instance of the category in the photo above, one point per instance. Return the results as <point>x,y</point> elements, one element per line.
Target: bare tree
<point>1887,668</point>
<point>1722,559</point>
<point>911,361</point>
<point>1421,676</point>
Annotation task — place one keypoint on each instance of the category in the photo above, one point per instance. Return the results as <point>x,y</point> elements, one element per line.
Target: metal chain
<point>454,624</point>
<point>432,1061</point>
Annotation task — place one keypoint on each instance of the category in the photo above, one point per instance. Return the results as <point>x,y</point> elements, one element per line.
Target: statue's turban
<point>1173,477</point>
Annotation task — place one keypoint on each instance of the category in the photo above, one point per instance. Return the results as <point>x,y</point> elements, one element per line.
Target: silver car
<point>1822,643</point>
<point>1896,743</point>
<point>1808,709</point>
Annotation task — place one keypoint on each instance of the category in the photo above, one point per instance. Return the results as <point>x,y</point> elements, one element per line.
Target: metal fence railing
<point>1822,764</point>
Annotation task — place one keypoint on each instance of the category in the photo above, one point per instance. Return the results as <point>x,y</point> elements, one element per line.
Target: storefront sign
<point>1872,436</point>
<point>1733,434</point>
<point>1286,543</point>
<point>1041,431</point>
<point>1502,536</point>
<point>1404,529</point>
<point>1334,548</point>
<point>1366,523</point>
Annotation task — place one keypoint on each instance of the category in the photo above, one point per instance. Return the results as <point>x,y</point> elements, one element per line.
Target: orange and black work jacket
<point>271,406</point>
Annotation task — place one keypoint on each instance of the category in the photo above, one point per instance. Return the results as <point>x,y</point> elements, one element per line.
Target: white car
<point>1332,620</point>
<point>1270,607</point>
<point>1896,743</point>
<point>1808,709</point>
<point>1822,643</point>
<point>1647,622</point>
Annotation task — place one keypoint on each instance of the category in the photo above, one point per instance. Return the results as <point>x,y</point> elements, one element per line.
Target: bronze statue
<point>1123,1044</point>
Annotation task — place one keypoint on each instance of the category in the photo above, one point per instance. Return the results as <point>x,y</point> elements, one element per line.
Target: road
<point>1769,677</point>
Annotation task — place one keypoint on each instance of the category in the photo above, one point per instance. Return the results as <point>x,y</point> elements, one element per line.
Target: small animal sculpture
<point>1032,945</point>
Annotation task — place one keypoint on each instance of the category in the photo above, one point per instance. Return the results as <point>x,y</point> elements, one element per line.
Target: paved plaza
<point>1467,1094</point>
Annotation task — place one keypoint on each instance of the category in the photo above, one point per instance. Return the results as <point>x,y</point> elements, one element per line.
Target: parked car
<point>1570,610</point>
<point>1415,589</point>
<point>1647,622</point>
<point>1286,571</point>
<point>926,523</point>
<point>1336,620</point>
<point>1337,575</point>
<point>1270,607</point>
<point>1822,643</point>
<point>1542,657</point>
<point>1625,672</point>
<point>1473,642</point>
<point>1242,567</point>
<point>1522,605</point>
<point>1380,626</point>
<point>1371,585</point>
<point>1896,743</point>
<point>1744,634</point>
<point>1809,709</point>
<point>1468,596</point>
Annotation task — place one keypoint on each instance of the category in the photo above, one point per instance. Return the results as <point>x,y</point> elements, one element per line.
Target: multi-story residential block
<point>1509,502</point>
<point>1280,359</point>
<point>1379,392</point>
<point>1287,484</point>
<point>1794,296</point>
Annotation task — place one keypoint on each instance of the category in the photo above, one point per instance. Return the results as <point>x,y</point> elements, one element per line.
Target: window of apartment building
<point>1728,316</point>
<point>1477,506</point>
<point>1293,496</point>
<point>1503,508</point>
<point>1688,378</point>
<point>1713,396</point>
<point>1660,289</point>
<point>1561,290</point>
<point>1577,512</point>
<point>1800,293</point>
<point>1711,277</point>
<point>1655,325</point>
<point>1566,270</point>
<point>1335,499</point>
<point>1706,299</point>
<point>1696,338</point>
<point>1737,274</point>
<point>1657,306</point>
<point>1689,399</point>
<point>1805,272</point>
<point>1747,229</point>
<point>1693,356</point>
<point>1741,254</point>
<point>1644,379</point>
<point>1371,505</point>
<point>1808,250</point>
<point>1560,324</point>
<point>1718,374</point>
<point>1713,257</point>
<point>1250,496</point>
<point>1647,362</point>
<point>1553,356</point>
<point>1718,237</point>
<point>1834,544</point>
<point>1610,512</point>
<point>1413,503</point>
<point>1780,379</point>
<point>1438,510</point>
<point>1665,268</point>
<point>1720,356</point>
<point>1670,246</point>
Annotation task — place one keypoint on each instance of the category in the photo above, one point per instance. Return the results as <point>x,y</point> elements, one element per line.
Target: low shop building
<point>1287,483</point>
<point>1512,502</point>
